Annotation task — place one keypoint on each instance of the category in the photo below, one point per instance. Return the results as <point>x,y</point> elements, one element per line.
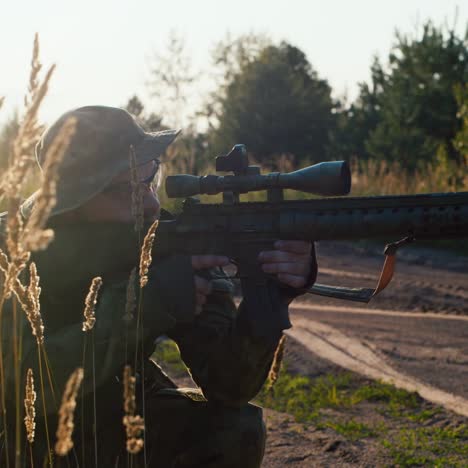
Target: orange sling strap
<point>365,294</point>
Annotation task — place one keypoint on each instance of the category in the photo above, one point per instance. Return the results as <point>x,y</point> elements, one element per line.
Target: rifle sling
<point>364,294</point>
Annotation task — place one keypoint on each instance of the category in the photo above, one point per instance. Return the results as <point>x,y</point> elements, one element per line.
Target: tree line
<point>414,110</point>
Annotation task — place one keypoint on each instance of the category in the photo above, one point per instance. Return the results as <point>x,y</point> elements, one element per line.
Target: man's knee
<point>253,428</point>
<point>184,431</point>
<point>255,435</point>
<point>242,436</point>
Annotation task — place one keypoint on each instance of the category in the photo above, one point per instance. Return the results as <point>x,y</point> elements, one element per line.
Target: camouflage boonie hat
<point>97,153</point>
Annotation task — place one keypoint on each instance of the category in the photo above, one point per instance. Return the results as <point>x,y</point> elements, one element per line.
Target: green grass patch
<point>432,446</point>
<point>355,430</point>
<point>167,354</point>
<point>303,397</point>
<point>308,399</point>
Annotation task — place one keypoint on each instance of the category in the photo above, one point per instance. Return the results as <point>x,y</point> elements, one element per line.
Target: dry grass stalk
<point>17,254</point>
<point>129,390</point>
<point>28,297</point>
<point>276,365</point>
<point>35,69</point>
<point>90,304</point>
<point>11,183</point>
<point>137,194</point>
<point>131,302</point>
<point>29,400</point>
<point>66,413</point>
<point>372,177</point>
<point>2,100</point>
<point>29,130</point>
<point>29,300</point>
<point>36,238</point>
<point>4,264</point>
<point>145,257</point>
<point>134,424</point>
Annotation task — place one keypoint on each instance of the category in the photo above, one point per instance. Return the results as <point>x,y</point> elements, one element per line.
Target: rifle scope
<point>325,178</point>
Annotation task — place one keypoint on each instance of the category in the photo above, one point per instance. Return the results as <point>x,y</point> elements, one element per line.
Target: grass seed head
<point>90,304</point>
<point>66,413</point>
<point>28,297</point>
<point>145,257</point>
<point>276,365</point>
<point>134,424</point>
<point>29,401</point>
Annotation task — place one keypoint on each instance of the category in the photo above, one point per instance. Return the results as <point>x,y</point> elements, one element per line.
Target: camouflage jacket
<point>226,358</point>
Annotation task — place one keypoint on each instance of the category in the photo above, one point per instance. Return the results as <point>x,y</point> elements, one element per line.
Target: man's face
<point>114,204</point>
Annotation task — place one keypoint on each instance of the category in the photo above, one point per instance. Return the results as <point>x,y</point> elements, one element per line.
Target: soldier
<point>188,299</point>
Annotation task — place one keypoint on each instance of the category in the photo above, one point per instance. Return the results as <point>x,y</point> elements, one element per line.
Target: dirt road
<point>415,334</point>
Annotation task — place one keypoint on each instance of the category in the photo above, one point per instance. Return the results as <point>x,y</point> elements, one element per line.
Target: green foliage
<point>303,397</point>
<point>354,430</point>
<point>460,142</point>
<point>276,104</point>
<point>409,110</point>
<point>168,355</point>
<point>383,392</point>
<point>432,446</point>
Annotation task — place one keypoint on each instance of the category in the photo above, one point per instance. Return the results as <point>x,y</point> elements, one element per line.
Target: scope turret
<point>326,178</point>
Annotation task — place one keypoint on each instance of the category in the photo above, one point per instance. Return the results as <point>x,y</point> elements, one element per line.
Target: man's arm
<point>225,355</point>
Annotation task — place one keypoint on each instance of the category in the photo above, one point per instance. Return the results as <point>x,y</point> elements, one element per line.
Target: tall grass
<point>20,238</point>
<point>372,177</point>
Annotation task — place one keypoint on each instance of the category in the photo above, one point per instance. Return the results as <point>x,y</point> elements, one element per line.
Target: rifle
<point>241,230</point>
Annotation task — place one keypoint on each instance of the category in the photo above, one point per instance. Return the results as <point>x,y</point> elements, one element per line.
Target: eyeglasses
<point>150,182</point>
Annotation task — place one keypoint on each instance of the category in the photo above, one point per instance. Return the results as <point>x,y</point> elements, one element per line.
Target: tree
<point>355,122</point>
<point>275,104</point>
<point>171,81</point>
<point>417,103</point>
<point>229,57</point>
<point>150,122</point>
<point>408,112</point>
<point>460,141</point>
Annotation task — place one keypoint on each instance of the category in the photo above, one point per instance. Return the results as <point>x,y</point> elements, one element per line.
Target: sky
<point>103,48</point>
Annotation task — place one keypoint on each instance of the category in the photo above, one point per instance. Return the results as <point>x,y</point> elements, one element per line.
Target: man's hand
<point>290,261</point>
<point>203,286</point>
